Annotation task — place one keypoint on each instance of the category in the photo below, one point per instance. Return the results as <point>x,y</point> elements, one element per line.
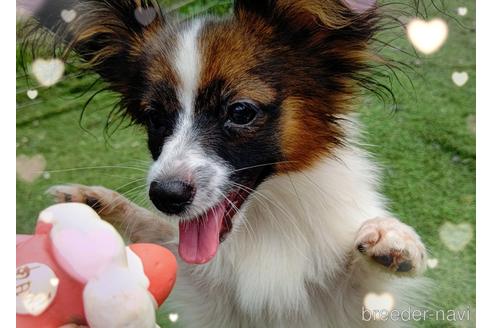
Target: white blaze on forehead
<point>187,65</point>
<point>180,146</point>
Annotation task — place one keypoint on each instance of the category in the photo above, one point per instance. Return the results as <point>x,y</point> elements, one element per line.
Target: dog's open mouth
<point>199,238</point>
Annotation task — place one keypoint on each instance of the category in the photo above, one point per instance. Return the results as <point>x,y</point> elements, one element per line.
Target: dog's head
<point>229,102</point>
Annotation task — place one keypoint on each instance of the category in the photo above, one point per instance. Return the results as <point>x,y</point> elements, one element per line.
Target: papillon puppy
<point>258,182</point>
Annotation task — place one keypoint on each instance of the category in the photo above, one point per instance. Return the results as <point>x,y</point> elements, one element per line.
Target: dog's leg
<point>393,245</point>
<point>134,222</point>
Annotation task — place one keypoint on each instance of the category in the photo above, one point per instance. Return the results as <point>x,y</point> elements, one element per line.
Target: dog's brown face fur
<point>227,102</point>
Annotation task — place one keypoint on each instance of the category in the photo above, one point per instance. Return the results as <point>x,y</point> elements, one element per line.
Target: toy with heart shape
<point>76,269</point>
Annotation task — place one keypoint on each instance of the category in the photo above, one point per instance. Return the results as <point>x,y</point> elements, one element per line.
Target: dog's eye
<point>154,119</point>
<point>241,113</point>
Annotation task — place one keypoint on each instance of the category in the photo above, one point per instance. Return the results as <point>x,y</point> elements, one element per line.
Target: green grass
<point>427,149</point>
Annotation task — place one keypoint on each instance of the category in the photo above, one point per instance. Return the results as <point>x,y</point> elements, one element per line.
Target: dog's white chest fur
<point>289,263</point>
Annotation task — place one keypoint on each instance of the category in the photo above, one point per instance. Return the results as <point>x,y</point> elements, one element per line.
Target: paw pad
<point>392,244</point>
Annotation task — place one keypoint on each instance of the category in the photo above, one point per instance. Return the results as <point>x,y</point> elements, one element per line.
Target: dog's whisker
<point>261,165</point>
<point>140,198</point>
<point>255,193</point>
<point>323,192</point>
<point>245,218</point>
<point>101,210</point>
<point>134,189</point>
<point>284,211</point>
<point>248,225</point>
<point>280,226</point>
<point>103,167</point>
<point>129,183</point>
<point>140,162</point>
<point>298,197</point>
<point>238,212</point>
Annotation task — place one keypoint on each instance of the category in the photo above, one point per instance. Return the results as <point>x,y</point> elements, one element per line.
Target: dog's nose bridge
<point>185,162</point>
<point>176,169</point>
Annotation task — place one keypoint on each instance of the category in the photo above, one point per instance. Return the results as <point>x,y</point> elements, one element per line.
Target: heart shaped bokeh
<point>30,168</point>
<point>32,94</point>
<point>48,71</point>
<point>37,289</point>
<point>460,78</point>
<point>173,317</point>
<point>145,16</point>
<point>462,11</point>
<point>68,15</point>
<point>427,37</point>
<point>432,263</point>
<point>360,6</point>
<point>456,236</point>
<point>379,304</point>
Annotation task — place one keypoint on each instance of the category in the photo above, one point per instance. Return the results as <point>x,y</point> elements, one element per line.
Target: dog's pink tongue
<point>199,239</point>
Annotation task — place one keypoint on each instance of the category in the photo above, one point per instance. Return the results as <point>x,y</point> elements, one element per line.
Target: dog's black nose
<point>171,197</point>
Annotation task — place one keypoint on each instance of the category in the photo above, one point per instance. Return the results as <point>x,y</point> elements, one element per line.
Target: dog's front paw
<point>101,199</point>
<point>393,244</point>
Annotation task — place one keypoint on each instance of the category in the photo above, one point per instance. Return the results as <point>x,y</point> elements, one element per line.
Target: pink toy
<point>76,269</point>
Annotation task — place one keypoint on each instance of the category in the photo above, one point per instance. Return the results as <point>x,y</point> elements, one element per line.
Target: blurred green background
<point>426,144</point>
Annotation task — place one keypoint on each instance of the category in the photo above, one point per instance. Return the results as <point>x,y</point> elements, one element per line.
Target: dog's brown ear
<point>107,34</point>
<point>330,30</point>
<point>317,17</point>
<point>297,13</point>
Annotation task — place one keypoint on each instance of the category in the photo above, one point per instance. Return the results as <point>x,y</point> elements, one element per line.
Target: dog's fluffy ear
<point>107,34</point>
<point>316,17</point>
